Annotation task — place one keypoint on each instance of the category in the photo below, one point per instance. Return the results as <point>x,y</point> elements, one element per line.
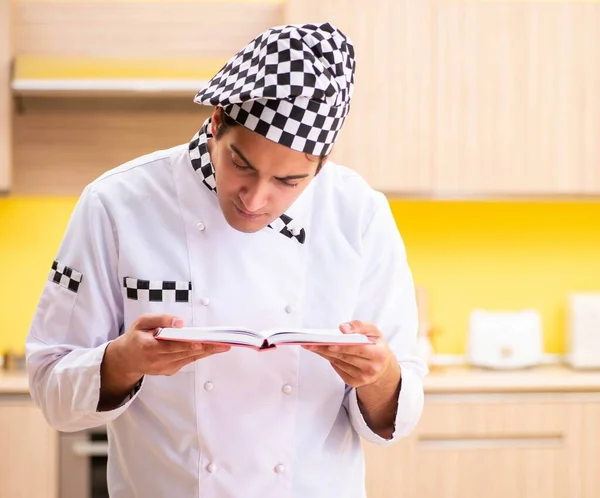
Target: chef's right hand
<point>148,355</point>
<point>137,353</point>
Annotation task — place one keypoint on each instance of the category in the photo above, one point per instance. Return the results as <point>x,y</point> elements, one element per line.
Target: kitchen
<point>488,119</point>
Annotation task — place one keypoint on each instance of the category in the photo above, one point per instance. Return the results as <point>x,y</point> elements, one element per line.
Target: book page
<point>221,334</point>
<point>317,336</point>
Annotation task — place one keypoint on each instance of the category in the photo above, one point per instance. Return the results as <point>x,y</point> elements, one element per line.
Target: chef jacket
<point>149,237</point>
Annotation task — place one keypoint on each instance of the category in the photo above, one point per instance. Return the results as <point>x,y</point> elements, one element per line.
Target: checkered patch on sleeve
<point>160,291</point>
<point>65,276</point>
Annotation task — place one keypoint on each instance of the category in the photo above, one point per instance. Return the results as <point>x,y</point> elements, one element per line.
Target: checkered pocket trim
<point>66,277</point>
<point>158,291</point>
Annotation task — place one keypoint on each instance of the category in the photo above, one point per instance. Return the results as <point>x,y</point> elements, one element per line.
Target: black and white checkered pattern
<point>200,157</point>
<point>65,276</point>
<point>160,291</point>
<point>292,84</point>
<point>285,225</point>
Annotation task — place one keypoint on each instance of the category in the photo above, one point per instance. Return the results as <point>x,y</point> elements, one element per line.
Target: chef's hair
<point>228,122</point>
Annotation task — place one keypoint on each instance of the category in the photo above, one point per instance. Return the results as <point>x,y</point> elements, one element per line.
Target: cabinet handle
<point>86,449</point>
<point>461,443</point>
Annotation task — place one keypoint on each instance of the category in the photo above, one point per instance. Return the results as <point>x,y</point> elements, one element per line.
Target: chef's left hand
<point>362,364</point>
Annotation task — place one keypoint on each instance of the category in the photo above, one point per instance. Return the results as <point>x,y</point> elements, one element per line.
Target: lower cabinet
<point>496,446</point>
<point>29,456</point>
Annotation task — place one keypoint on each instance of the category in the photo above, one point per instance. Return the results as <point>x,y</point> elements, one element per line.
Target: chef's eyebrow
<point>284,178</point>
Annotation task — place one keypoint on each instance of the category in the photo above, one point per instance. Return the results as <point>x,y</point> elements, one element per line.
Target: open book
<point>265,339</point>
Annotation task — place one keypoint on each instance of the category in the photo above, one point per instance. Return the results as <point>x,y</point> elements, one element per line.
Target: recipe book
<point>264,339</point>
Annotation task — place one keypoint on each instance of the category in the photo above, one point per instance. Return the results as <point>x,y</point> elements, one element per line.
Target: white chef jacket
<point>248,424</point>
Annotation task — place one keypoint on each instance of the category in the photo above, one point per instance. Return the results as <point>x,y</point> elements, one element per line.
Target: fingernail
<point>177,322</point>
<point>346,327</point>
<point>334,348</point>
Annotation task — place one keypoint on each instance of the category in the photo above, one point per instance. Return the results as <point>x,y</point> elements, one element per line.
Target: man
<point>249,224</point>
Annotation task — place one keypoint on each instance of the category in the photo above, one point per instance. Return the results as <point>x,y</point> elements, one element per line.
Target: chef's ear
<point>322,161</point>
<point>216,121</point>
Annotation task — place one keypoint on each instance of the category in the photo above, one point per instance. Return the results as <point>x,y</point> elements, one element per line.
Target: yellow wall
<point>488,254</point>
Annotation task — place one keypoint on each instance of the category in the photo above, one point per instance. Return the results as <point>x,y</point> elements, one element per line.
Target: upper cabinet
<point>517,106</point>
<point>387,136</point>
<point>471,98</point>
<point>5,97</point>
<point>452,99</point>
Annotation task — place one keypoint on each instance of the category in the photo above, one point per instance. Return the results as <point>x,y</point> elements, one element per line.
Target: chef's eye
<point>287,184</point>
<point>239,166</point>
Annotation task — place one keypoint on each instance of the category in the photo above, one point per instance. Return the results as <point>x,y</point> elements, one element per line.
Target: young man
<point>249,225</point>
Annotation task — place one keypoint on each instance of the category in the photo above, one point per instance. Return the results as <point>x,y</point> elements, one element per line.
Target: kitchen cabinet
<point>494,439</point>
<point>517,108</point>
<point>471,98</point>
<point>387,135</point>
<point>29,456</point>
<point>5,96</point>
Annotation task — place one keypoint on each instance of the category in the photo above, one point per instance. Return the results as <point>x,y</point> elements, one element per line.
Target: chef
<point>248,224</point>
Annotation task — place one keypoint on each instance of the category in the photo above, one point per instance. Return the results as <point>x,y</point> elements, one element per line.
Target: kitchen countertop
<point>454,379</point>
<point>548,378</point>
<point>13,382</point>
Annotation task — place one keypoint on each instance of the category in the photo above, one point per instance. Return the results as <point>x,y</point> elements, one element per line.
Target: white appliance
<point>505,339</point>
<point>583,330</point>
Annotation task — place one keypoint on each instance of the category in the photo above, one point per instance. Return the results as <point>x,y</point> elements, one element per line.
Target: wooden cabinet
<point>29,456</point>
<point>534,445</point>
<point>471,98</point>
<point>517,108</point>
<point>5,96</point>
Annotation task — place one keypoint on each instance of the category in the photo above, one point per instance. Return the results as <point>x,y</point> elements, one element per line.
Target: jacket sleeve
<point>79,312</point>
<point>387,299</point>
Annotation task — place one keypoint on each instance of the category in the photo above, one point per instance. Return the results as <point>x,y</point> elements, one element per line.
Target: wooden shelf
<point>77,76</point>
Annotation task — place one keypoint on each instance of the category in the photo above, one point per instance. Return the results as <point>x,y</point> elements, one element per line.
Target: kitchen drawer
<point>541,419</point>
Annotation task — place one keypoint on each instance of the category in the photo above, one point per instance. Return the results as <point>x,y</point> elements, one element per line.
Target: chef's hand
<point>147,355</point>
<point>373,370</point>
<point>137,353</point>
<point>363,364</point>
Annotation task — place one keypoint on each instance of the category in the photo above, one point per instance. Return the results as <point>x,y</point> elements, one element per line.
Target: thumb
<point>151,322</point>
<point>353,327</point>
<point>359,327</point>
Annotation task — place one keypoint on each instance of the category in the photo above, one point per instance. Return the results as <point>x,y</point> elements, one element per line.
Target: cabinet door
<point>517,101</point>
<point>29,456</point>
<point>590,450</point>
<point>387,135</point>
<point>493,446</point>
<point>5,95</point>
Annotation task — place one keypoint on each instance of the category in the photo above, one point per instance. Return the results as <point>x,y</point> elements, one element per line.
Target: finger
<point>350,370</point>
<point>189,356</point>
<point>153,322</point>
<point>344,350</point>
<point>171,347</point>
<point>362,364</point>
<point>359,327</point>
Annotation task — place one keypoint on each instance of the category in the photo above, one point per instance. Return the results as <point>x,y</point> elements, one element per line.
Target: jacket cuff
<point>408,412</point>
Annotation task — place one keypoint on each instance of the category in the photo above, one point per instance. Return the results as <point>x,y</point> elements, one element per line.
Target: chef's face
<point>257,179</point>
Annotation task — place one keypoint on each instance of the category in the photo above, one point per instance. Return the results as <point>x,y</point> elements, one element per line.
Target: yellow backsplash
<point>495,255</point>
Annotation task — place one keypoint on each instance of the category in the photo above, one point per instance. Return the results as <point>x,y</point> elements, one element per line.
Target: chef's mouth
<point>246,214</point>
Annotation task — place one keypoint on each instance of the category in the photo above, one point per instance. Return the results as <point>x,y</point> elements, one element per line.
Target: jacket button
<point>289,308</point>
<point>200,226</point>
<point>295,231</point>
<point>209,386</point>
<point>280,469</point>
<point>211,467</point>
<point>204,301</point>
<point>287,389</point>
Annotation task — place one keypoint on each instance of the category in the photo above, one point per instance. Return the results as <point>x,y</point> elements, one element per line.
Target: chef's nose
<point>255,195</point>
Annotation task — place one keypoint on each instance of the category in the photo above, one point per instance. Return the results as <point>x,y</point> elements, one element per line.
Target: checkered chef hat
<point>292,84</point>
